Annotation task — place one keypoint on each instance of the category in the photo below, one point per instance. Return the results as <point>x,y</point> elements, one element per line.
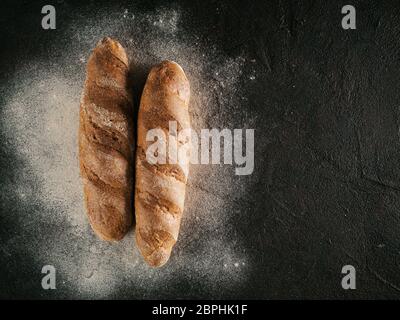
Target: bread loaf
<point>160,188</point>
<point>106,141</point>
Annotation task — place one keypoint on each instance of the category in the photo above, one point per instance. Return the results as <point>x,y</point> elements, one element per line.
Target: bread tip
<point>171,62</point>
<point>105,40</point>
<point>110,43</point>
<point>158,258</point>
<point>154,257</point>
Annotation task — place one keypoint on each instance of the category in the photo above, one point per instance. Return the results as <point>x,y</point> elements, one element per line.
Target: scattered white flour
<point>41,122</point>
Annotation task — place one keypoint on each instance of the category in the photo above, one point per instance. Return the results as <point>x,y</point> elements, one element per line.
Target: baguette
<point>160,188</point>
<point>106,141</point>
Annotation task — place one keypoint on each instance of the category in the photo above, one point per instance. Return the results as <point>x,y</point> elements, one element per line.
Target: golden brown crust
<point>106,141</point>
<point>160,188</point>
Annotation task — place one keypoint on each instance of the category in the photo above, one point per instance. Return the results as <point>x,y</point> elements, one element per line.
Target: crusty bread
<point>160,188</point>
<point>106,141</point>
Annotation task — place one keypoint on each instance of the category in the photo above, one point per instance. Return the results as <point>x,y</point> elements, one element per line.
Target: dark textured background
<point>328,179</point>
